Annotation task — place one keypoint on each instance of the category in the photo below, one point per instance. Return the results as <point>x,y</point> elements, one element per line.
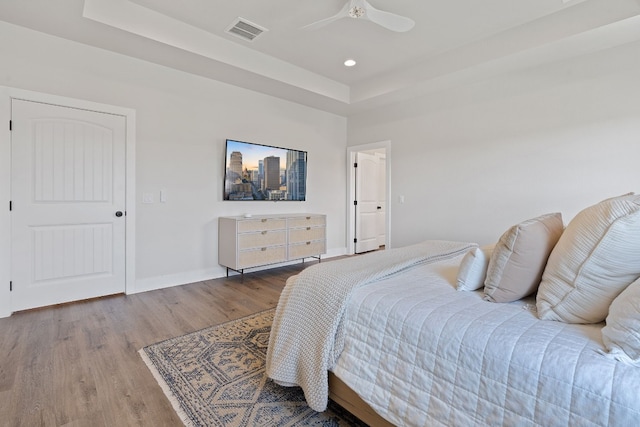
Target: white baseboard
<point>178,279</point>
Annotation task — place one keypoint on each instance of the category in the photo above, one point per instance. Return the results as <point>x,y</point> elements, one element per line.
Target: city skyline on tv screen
<point>262,172</point>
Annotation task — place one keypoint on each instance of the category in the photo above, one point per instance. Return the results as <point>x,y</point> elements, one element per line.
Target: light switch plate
<point>147,198</point>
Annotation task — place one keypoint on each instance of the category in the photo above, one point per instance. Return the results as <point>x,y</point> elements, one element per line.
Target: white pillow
<point>519,258</point>
<point>473,268</point>
<point>621,336</point>
<point>596,258</point>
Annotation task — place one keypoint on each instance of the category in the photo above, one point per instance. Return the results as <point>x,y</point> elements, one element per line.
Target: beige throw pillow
<point>596,258</point>
<point>621,336</point>
<point>519,258</point>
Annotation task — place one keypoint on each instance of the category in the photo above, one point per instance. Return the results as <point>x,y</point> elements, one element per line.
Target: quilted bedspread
<point>306,336</point>
<point>423,354</point>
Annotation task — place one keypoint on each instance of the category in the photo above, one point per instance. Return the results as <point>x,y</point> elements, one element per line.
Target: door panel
<point>72,161</point>
<point>68,181</point>
<point>65,252</point>
<point>367,207</point>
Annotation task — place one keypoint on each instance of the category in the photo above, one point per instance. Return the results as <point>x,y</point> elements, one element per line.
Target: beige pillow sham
<point>596,258</point>
<point>519,258</point>
<point>621,336</point>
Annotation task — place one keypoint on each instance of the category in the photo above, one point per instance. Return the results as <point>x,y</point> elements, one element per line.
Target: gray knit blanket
<point>307,338</point>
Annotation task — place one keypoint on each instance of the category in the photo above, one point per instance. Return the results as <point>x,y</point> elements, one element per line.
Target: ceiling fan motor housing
<point>356,12</point>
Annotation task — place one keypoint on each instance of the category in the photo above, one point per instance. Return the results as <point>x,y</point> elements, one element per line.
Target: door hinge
<point>355,165</point>
<point>355,240</point>
<point>10,286</point>
<point>10,206</point>
<point>355,203</point>
<point>10,125</point>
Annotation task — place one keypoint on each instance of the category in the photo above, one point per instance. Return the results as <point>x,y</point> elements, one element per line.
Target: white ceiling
<point>453,42</point>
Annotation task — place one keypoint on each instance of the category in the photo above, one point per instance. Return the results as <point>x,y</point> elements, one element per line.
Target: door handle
<point>119,214</point>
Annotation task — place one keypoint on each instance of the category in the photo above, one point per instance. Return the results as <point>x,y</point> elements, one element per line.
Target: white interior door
<point>367,203</point>
<point>68,204</point>
<point>382,199</point>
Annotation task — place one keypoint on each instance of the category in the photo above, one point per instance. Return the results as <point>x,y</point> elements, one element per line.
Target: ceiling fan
<point>361,9</point>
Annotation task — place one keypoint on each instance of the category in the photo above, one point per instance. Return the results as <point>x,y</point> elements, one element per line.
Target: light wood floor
<point>78,365</point>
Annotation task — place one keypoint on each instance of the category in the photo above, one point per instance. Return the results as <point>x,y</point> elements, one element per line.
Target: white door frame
<point>351,190</point>
<point>6,95</point>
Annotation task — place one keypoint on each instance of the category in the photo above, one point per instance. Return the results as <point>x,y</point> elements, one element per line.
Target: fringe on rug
<point>165,388</point>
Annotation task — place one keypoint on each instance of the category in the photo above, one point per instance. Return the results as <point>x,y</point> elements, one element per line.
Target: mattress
<point>421,353</point>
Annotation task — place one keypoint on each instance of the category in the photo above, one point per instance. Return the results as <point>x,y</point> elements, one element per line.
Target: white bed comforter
<point>423,354</point>
<point>306,335</point>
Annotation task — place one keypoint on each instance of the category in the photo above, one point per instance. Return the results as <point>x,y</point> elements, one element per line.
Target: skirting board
<point>178,279</point>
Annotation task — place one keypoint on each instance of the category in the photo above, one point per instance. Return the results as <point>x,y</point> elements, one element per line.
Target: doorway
<point>369,192</point>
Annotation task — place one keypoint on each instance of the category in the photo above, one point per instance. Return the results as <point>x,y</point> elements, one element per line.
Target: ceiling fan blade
<point>388,20</point>
<point>321,23</point>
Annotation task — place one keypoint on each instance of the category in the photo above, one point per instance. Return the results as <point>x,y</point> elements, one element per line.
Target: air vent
<point>245,29</point>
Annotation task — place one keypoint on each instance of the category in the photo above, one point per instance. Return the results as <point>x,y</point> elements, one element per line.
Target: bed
<point>406,346</point>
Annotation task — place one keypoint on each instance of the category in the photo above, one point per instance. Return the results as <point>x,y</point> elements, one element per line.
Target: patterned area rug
<point>216,377</point>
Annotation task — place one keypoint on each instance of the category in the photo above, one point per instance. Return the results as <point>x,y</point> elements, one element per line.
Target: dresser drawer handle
<point>308,243</point>
<point>308,217</point>
<point>264,232</point>
<point>308,228</point>
<point>264,219</point>
<point>263,249</point>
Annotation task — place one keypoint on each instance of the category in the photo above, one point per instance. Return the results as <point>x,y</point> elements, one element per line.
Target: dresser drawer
<point>307,234</point>
<point>303,250</point>
<point>255,257</point>
<point>261,224</point>
<point>261,239</point>
<point>307,221</point>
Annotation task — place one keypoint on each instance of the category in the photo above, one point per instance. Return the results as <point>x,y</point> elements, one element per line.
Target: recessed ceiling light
<point>349,63</point>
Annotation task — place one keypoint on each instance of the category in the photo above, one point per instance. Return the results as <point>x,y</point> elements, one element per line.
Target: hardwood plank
<point>78,364</point>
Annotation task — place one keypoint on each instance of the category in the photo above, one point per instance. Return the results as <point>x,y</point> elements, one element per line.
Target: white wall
<point>182,123</point>
<point>470,161</point>
<point>474,160</point>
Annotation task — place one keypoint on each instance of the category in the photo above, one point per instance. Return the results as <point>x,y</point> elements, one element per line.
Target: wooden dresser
<point>269,239</point>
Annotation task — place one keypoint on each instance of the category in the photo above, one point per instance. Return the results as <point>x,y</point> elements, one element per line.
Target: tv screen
<point>262,172</point>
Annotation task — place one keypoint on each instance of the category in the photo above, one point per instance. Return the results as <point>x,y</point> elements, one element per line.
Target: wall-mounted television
<point>263,172</point>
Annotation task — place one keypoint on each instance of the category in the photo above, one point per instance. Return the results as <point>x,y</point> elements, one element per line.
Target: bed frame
<point>340,393</point>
